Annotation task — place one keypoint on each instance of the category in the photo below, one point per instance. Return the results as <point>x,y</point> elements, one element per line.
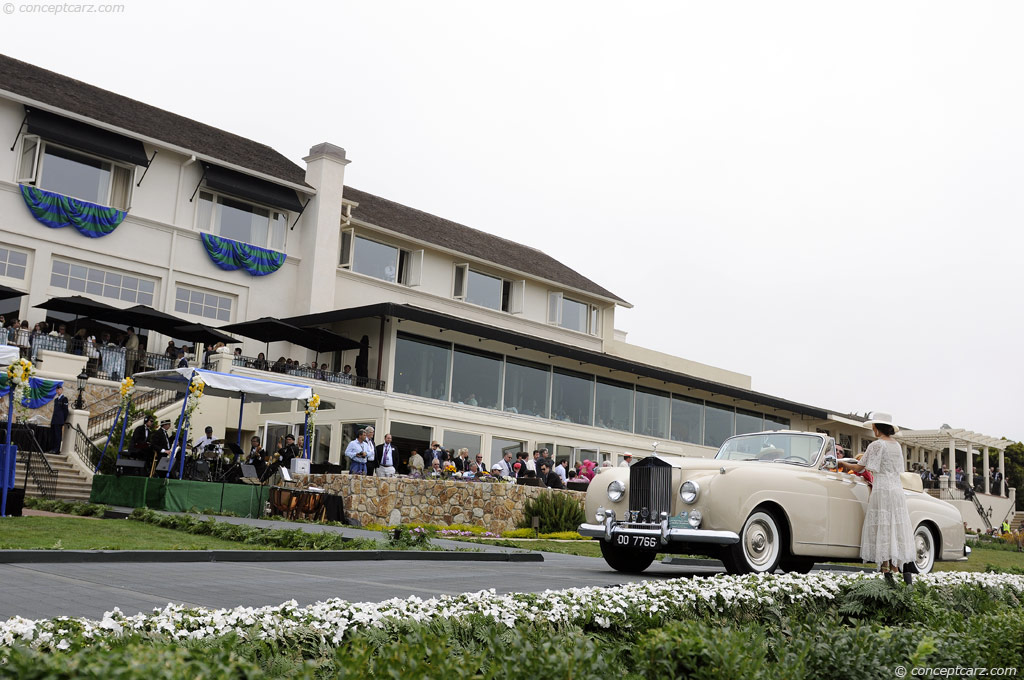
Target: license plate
<point>637,541</point>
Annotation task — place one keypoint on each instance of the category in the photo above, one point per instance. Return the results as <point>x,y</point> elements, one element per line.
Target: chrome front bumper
<point>661,531</point>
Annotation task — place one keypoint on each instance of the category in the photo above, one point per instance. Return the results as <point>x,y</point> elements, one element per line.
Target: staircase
<point>72,484</point>
<point>1018,517</point>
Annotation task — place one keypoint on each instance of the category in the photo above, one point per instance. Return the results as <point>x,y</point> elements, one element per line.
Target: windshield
<point>786,447</point>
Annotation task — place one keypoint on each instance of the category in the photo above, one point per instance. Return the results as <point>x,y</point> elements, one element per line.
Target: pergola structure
<point>951,438</point>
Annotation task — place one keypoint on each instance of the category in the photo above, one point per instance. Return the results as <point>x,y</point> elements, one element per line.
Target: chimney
<point>320,229</point>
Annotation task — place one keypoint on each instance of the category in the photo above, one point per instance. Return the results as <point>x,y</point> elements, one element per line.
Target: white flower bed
<point>601,606</point>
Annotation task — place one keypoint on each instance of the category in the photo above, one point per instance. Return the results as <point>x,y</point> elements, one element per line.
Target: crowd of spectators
<point>930,478</point>
<point>538,468</point>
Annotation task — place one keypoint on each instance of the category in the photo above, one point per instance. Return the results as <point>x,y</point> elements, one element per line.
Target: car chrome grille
<point>650,487</point>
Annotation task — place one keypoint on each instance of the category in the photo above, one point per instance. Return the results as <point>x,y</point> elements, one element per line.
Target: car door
<point>847,502</point>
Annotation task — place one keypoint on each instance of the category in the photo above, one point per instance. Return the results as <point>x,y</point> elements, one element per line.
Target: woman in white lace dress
<point>887,537</point>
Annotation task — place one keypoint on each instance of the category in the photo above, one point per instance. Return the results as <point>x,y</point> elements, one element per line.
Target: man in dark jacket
<point>551,479</point>
<point>58,420</point>
<point>139,446</point>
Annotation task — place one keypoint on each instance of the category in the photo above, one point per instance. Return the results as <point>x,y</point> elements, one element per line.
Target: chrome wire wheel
<point>761,542</point>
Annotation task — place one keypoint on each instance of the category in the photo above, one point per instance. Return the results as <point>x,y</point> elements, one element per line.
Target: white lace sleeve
<point>872,459</point>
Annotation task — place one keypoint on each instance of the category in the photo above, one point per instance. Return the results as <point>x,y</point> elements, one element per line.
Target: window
<point>452,441</point>
<point>476,378</point>
<point>75,174</point>
<point>242,221</point>
<point>94,281</point>
<point>614,405</point>
<point>718,424</point>
<point>652,413</point>
<point>778,423</point>
<point>572,314</point>
<point>687,420</point>
<point>488,291</point>
<point>199,303</point>
<point>422,366</point>
<point>526,388</point>
<point>748,421</point>
<point>572,397</point>
<point>13,263</point>
<point>380,260</point>
<point>321,443</point>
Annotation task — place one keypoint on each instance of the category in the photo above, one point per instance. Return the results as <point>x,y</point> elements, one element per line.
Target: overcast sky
<point>824,196</point>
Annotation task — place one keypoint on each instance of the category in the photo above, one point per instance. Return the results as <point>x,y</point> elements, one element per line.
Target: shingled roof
<point>111,108</point>
<point>468,241</point>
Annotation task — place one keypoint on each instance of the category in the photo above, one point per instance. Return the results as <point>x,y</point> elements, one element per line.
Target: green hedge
<point>67,507</point>
<point>282,539</point>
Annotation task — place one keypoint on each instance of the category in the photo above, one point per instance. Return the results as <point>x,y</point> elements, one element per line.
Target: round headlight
<point>615,491</point>
<point>688,492</point>
<point>695,519</point>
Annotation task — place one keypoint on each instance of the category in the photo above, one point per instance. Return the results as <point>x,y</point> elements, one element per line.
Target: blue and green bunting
<point>38,392</point>
<point>232,255</point>
<point>57,211</point>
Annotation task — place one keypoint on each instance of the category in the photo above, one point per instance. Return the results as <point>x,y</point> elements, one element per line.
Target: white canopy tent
<point>220,385</point>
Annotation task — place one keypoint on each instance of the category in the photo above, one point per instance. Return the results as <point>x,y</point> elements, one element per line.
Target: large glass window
<point>375,259</point>
<point>242,221</point>
<point>748,421</point>
<point>476,378</point>
<point>321,445</point>
<point>421,367</point>
<point>526,388</point>
<point>484,290</point>
<point>80,278</point>
<point>652,413</point>
<point>453,440</point>
<point>74,174</point>
<point>572,397</point>
<point>718,424</point>
<point>614,405</point>
<point>13,263</point>
<point>575,315</point>
<point>778,423</point>
<point>199,303</point>
<point>687,420</point>
<point>499,446</point>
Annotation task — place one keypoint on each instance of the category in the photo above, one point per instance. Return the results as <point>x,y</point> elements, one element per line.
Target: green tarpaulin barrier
<point>175,495</point>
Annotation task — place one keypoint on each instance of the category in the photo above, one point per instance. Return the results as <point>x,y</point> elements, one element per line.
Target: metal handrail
<point>44,476</point>
<point>87,451</point>
<point>307,372</point>
<point>100,423</point>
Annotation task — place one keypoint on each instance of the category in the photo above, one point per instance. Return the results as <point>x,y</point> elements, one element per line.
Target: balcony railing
<point>108,361</point>
<point>309,372</point>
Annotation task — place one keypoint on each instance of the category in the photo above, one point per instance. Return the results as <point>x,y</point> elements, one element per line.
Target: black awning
<point>585,356</point>
<point>86,137</point>
<point>252,188</point>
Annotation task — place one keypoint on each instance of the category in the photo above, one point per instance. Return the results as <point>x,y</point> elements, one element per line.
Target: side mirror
<point>831,462</point>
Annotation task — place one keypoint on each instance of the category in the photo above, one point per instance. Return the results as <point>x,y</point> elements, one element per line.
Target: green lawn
<point>79,533</point>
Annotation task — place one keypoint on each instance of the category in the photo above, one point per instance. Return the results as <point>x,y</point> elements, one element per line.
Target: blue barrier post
<point>110,437</point>
<point>241,408</point>
<point>8,452</point>
<point>124,426</point>
<point>177,434</point>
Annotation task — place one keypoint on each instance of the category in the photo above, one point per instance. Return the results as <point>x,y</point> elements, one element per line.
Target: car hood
<point>701,464</point>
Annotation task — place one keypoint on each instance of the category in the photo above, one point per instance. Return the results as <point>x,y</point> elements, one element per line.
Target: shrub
<point>556,512</point>
<point>67,507</point>
<point>518,533</point>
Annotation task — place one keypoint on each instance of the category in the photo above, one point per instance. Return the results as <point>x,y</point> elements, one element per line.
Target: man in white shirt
<point>385,455</point>
<point>627,460</point>
<point>560,469</point>
<point>206,441</point>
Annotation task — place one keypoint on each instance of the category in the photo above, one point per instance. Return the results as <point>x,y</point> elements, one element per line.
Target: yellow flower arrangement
<point>18,375</point>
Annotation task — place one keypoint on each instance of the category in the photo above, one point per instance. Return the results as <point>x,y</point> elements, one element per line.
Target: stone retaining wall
<point>397,500</point>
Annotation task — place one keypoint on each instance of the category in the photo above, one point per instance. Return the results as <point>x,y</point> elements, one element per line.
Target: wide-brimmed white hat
<point>879,417</point>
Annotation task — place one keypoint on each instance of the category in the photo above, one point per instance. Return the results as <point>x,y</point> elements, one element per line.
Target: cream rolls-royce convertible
<point>766,501</point>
